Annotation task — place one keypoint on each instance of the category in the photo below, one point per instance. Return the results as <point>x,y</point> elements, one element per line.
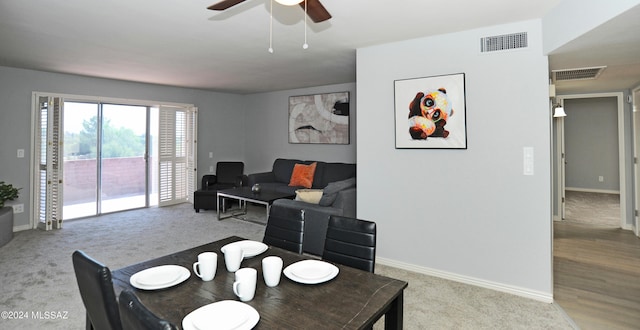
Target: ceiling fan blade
<point>316,11</point>
<point>224,4</point>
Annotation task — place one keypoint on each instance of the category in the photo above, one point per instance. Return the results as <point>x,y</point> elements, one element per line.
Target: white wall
<point>572,18</point>
<point>471,214</point>
<point>267,127</point>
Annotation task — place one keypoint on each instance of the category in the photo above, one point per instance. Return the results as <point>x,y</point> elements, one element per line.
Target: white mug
<point>207,264</point>
<point>245,285</point>
<point>271,270</point>
<point>233,255</point>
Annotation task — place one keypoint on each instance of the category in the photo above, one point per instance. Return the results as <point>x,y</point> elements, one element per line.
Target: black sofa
<point>338,181</point>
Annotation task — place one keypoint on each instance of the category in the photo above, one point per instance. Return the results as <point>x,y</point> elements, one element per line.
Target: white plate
<point>159,277</point>
<point>311,271</point>
<point>222,315</point>
<point>250,248</point>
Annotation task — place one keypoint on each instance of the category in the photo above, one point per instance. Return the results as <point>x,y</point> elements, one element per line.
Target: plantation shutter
<point>49,144</point>
<point>176,154</point>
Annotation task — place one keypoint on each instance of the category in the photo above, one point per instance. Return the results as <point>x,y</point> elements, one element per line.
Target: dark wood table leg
<point>393,319</point>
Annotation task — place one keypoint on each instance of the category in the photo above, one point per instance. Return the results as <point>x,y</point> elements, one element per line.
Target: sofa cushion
<point>302,175</point>
<point>331,191</point>
<point>336,172</point>
<point>309,195</point>
<point>282,169</point>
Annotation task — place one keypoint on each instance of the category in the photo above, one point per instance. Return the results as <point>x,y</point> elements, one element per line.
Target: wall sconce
<point>559,111</point>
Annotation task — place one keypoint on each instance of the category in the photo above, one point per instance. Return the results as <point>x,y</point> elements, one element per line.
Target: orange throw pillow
<point>302,175</point>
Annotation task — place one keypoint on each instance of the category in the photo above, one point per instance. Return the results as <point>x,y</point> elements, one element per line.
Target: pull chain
<point>305,45</point>
<point>271,29</point>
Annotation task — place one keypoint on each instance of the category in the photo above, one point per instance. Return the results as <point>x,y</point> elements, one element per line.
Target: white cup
<point>245,285</point>
<point>207,264</point>
<point>271,270</point>
<point>233,256</point>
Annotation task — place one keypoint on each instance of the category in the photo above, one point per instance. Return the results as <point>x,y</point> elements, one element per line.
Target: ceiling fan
<point>315,9</point>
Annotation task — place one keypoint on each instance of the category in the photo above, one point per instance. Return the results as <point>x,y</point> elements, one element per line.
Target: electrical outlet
<point>18,208</point>
<point>20,153</point>
<point>210,169</point>
<point>601,178</point>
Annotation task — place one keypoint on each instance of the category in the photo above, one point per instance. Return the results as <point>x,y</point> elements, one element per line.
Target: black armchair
<point>228,175</point>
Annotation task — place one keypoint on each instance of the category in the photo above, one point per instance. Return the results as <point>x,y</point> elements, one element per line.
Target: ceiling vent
<point>503,42</point>
<point>577,74</point>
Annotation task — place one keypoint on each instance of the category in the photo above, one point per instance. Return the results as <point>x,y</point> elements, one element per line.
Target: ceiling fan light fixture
<point>289,2</point>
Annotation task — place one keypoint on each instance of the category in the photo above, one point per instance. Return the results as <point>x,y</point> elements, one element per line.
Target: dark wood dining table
<point>354,299</point>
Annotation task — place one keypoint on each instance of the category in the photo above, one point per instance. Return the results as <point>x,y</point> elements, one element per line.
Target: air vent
<point>577,74</point>
<point>503,42</point>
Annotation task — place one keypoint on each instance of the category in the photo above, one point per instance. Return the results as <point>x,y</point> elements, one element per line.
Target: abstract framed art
<point>430,112</point>
<point>319,118</point>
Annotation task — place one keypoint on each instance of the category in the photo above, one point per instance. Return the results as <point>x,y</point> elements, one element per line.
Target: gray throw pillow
<point>330,192</point>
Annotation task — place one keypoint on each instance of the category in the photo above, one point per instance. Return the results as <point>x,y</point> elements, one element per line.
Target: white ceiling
<point>181,43</point>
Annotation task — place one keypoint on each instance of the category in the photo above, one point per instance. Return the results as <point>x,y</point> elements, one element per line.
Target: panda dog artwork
<point>430,112</point>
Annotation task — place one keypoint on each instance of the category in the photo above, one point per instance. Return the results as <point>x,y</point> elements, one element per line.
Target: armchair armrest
<point>208,181</point>
<point>346,201</point>
<point>242,180</point>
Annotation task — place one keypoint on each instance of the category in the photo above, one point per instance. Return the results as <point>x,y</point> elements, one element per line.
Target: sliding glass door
<point>105,158</point>
<point>123,167</point>
<point>80,193</point>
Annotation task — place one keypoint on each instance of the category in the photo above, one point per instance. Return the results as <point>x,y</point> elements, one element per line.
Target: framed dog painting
<point>430,113</point>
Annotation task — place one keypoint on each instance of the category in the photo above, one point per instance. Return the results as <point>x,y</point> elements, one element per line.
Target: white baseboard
<point>522,292</point>
<point>600,191</point>
<point>21,228</point>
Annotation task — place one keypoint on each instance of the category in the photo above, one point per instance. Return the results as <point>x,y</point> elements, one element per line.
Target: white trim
<point>621,146</point>
<point>600,191</point>
<point>21,228</point>
<point>518,291</point>
<point>636,170</point>
<point>74,97</point>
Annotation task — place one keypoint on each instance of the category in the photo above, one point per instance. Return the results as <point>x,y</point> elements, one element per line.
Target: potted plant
<point>7,193</point>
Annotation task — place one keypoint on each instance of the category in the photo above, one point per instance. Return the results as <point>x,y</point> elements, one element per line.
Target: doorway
<point>598,176</point>
<point>100,155</point>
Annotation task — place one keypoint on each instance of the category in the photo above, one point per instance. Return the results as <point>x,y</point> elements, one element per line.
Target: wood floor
<point>597,274</point>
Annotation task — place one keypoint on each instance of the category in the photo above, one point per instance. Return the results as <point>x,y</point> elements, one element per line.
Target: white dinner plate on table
<point>250,248</point>
<point>159,277</point>
<point>311,271</point>
<point>222,315</point>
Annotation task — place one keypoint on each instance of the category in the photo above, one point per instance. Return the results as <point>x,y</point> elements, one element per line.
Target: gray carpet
<point>37,280</point>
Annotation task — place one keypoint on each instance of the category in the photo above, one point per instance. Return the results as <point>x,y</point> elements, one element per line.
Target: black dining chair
<point>285,228</point>
<point>96,290</point>
<point>351,242</point>
<point>135,316</point>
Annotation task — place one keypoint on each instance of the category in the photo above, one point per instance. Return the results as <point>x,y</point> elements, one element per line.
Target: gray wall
<point>467,214</point>
<point>591,144</point>
<point>267,127</point>
<point>249,128</point>
<point>221,116</point>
